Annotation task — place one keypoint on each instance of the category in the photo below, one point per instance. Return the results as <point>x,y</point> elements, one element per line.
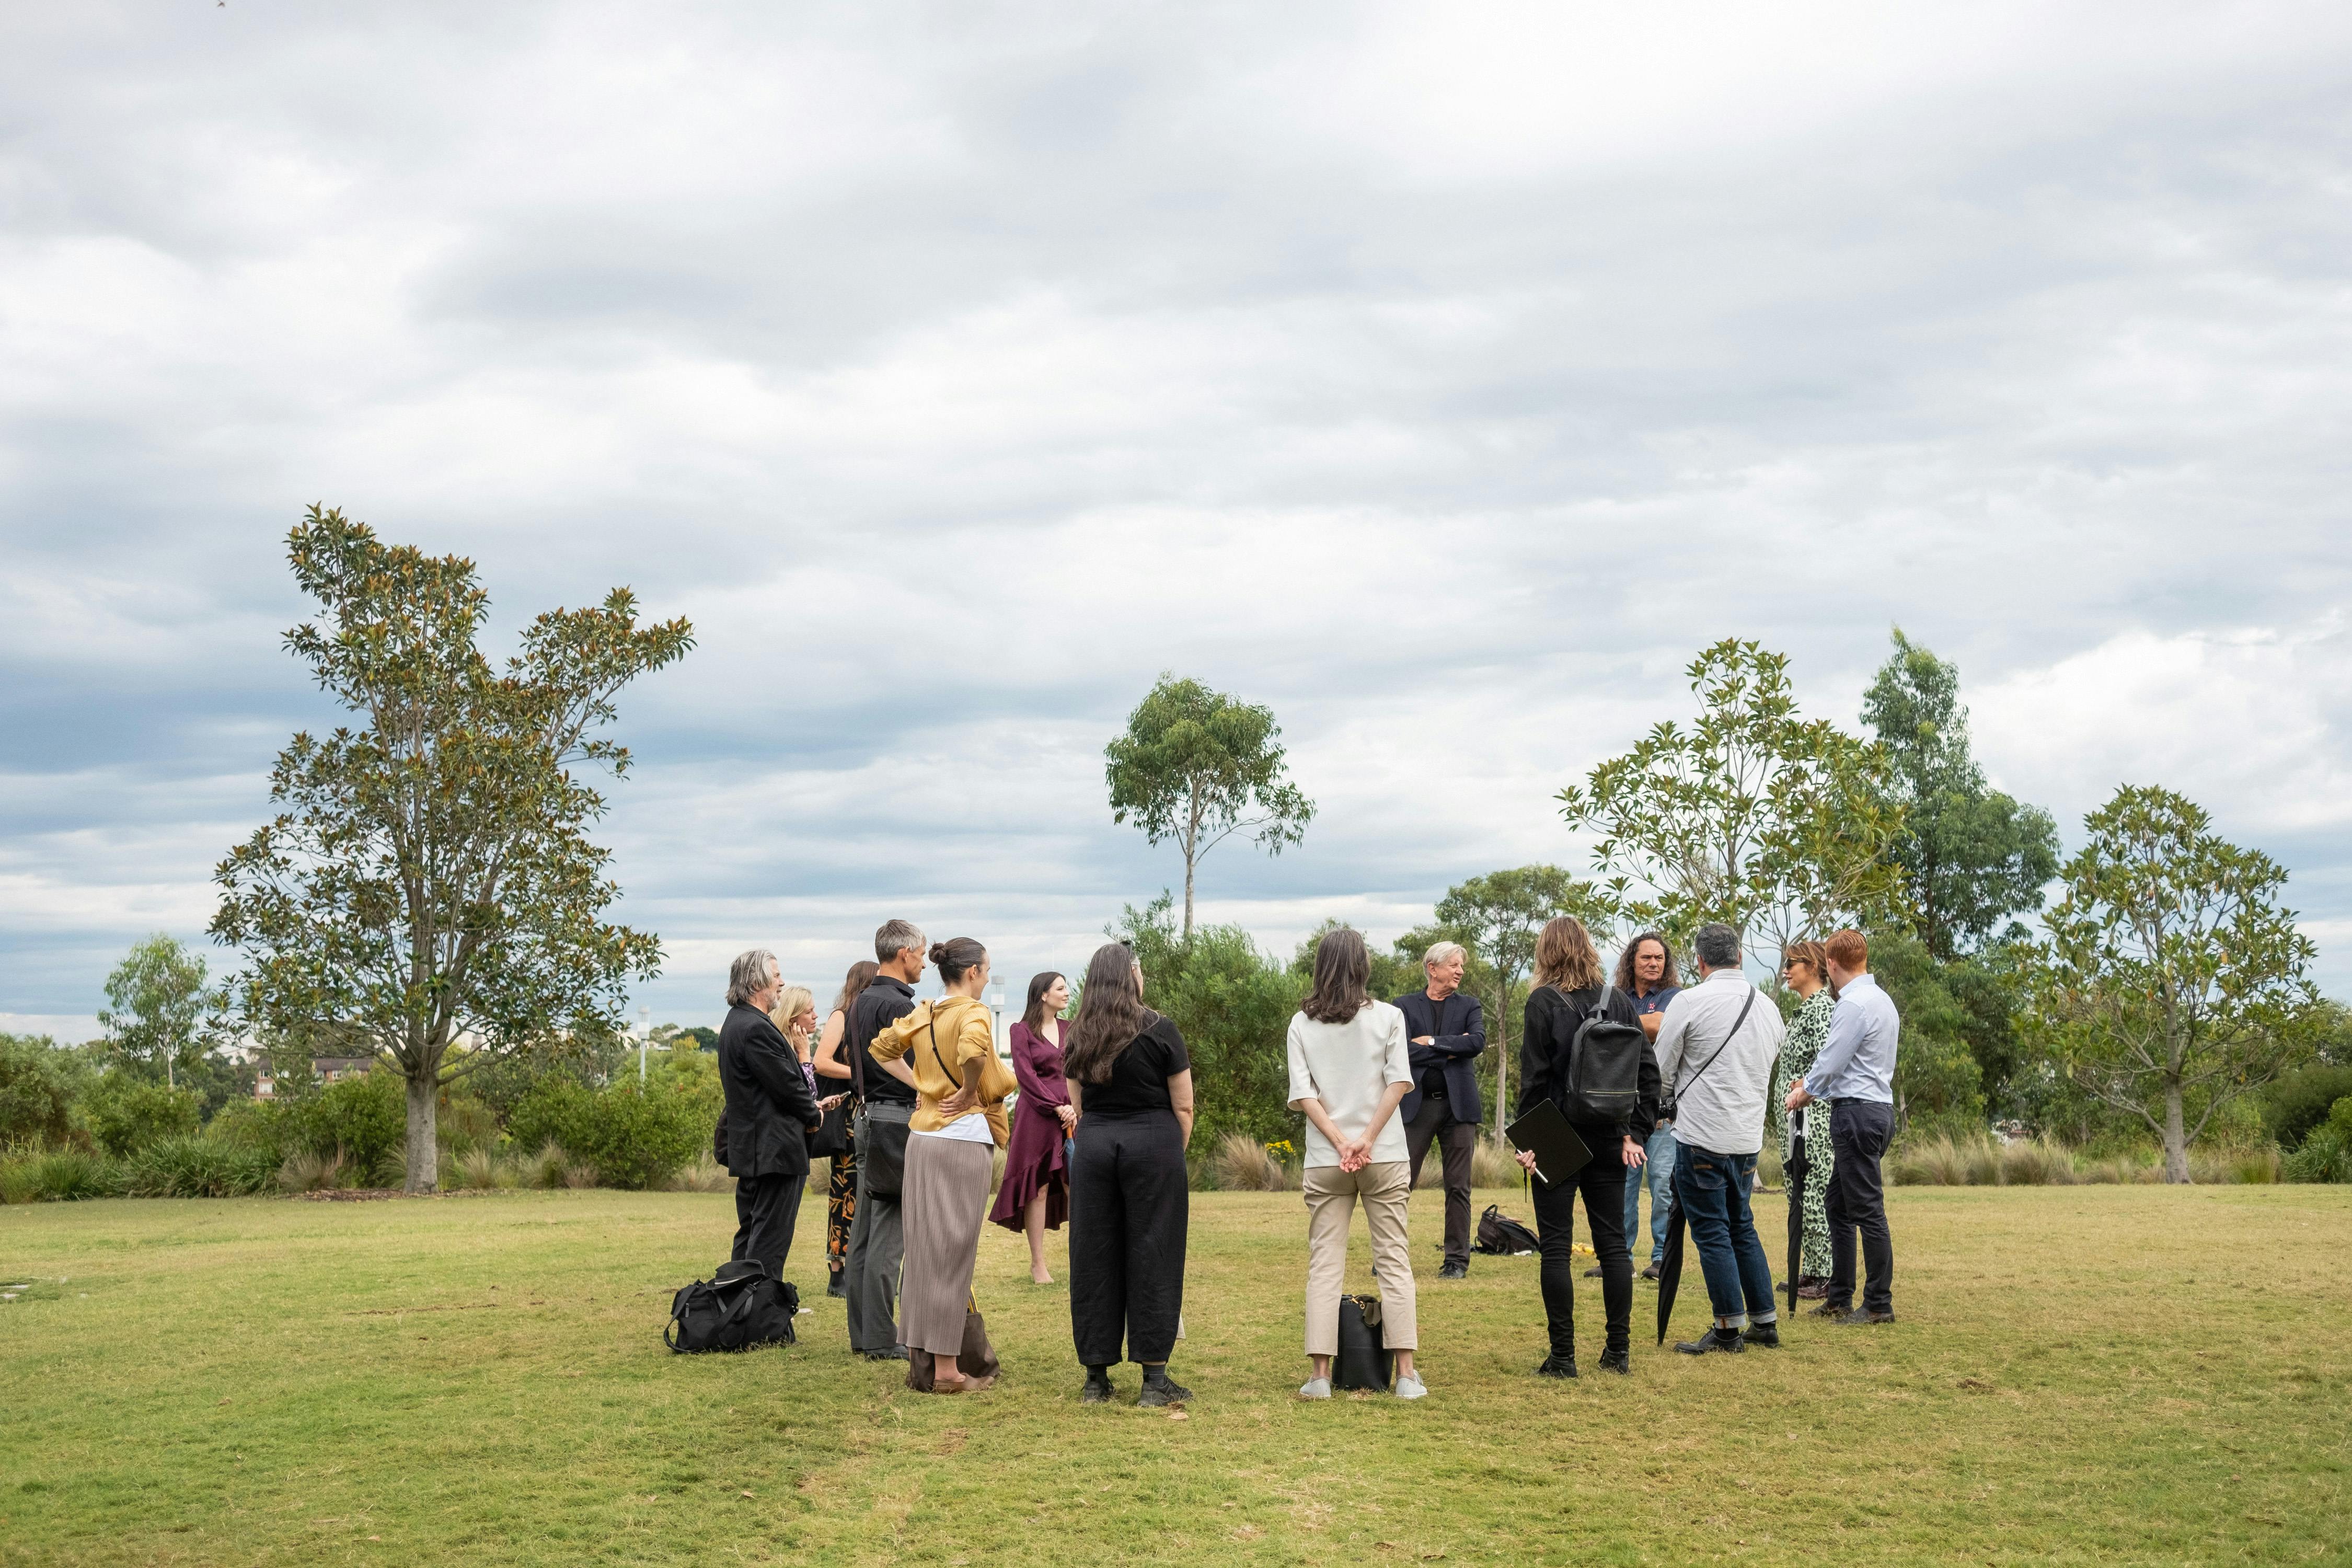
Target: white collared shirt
<point>1721,1107</point>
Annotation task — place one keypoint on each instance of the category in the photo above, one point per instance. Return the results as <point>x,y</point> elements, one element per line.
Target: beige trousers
<point>1331,1195</point>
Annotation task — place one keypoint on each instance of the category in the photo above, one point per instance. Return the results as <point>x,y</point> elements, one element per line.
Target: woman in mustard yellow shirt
<point>946,1051</point>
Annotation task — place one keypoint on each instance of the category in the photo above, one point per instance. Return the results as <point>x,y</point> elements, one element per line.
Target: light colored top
<point>967,1036</point>
<point>1720,1110</point>
<point>1859,1062</point>
<point>967,1128</point>
<point>1348,1067</point>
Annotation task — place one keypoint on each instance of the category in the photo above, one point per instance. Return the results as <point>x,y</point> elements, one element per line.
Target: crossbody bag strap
<point>935,1050</point>
<point>1684,1087</point>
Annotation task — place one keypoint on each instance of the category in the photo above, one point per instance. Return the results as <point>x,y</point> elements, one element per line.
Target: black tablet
<point>1560,1152</point>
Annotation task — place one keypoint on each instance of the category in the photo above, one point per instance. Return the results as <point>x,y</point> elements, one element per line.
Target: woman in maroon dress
<point>1037,1190</point>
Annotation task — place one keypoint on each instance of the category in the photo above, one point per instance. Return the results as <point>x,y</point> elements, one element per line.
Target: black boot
<point>1765,1336</point>
<point>1558,1366</point>
<point>1618,1362</point>
<point>1160,1389</point>
<point>1724,1339</point>
<point>1098,1386</point>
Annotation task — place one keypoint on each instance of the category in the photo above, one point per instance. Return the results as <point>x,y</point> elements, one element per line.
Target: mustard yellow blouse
<point>967,1037</point>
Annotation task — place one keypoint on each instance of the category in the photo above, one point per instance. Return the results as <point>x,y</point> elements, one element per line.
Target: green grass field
<point>2085,1374</point>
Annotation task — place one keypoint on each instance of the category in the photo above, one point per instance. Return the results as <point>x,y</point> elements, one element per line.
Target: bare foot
<point>1039,1277</point>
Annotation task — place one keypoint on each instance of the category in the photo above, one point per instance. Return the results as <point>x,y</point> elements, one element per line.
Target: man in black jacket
<point>1448,1035</point>
<point>770,1108</point>
<point>869,1274</point>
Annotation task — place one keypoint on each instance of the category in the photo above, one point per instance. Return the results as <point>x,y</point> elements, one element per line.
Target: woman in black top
<point>1131,1084</point>
<point>1569,984</point>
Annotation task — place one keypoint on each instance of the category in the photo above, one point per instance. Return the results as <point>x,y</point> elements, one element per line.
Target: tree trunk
<point>2176,1136</point>
<point>423,1145</point>
<point>1187,898</point>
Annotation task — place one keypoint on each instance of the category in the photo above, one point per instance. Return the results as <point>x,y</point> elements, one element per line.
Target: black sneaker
<point>1556,1365</point>
<point>1159,1389</point>
<point>1724,1339</point>
<point>1593,1272</point>
<point>1766,1336</point>
<point>895,1353</point>
<point>1096,1391</point>
<point>1651,1273</point>
<point>1618,1362</point>
<point>1862,1316</point>
<point>1454,1271</point>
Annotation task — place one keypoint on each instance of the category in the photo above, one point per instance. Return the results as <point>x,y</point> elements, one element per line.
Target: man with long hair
<point>1646,974</point>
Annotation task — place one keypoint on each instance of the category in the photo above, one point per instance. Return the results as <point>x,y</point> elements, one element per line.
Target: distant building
<point>328,1068</point>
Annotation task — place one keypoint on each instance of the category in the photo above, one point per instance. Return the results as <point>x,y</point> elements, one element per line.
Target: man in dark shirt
<point>1447,1034</point>
<point>869,1274</point>
<point>1646,972</point>
<point>768,1111</point>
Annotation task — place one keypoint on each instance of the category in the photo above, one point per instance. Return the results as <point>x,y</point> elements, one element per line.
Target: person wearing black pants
<point>1448,1035</point>
<point>1130,1082</point>
<point>1856,1073</point>
<point>1571,986</point>
<point>768,1111</point>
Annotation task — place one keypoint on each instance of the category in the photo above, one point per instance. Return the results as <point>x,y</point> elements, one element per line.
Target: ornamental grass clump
<point>1240,1163</point>
<point>198,1167</point>
<point>56,1175</point>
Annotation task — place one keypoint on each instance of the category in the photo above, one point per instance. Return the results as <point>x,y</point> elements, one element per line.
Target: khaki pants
<point>1331,1195</point>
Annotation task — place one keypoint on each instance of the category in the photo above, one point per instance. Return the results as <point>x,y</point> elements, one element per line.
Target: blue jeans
<point>1660,1181</point>
<point>1713,1190</point>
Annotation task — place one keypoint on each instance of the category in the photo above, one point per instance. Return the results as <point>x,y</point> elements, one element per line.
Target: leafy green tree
<point>1234,1006</point>
<point>1969,856</point>
<point>39,1086</point>
<point>1198,766</point>
<point>1938,1079</point>
<point>161,1018</point>
<point>1498,917</point>
<point>2172,982</point>
<point>429,878</point>
<point>1753,816</point>
<point>127,1111</point>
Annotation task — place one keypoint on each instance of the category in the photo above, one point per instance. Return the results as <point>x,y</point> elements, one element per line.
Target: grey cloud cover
<point>1444,376</point>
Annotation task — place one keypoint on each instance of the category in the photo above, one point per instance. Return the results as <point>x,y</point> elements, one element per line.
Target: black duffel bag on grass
<point>735,1309</point>
<point>1501,1235</point>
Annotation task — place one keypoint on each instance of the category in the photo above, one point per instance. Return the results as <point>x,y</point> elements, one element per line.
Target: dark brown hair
<point>1564,955</point>
<point>1627,980</point>
<point>957,957</point>
<point>854,984</point>
<point>1343,971</point>
<point>1032,1012</point>
<point>1110,1014</point>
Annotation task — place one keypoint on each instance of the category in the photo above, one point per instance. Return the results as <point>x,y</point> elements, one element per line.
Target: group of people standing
<point>1105,1107</point>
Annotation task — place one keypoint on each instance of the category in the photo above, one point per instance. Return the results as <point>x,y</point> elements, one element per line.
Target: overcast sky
<point>1443,377</point>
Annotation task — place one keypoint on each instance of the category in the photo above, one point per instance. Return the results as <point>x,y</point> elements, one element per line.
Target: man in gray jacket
<point>1716,1048</point>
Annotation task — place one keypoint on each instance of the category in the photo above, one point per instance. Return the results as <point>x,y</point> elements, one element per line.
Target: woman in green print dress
<point>1805,968</point>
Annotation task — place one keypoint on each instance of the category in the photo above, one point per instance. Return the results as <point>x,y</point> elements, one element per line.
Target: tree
<point>1498,916</point>
<point>429,879</point>
<point>39,1086</point>
<point>1233,1004</point>
<point>1776,825</point>
<point>1969,856</point>
<point>2172,982</point>
<point>1198,766</point>
<point>161,1018</point>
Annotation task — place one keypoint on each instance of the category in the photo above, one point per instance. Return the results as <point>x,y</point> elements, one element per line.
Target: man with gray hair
<point>1446,1033</point>
<point>1715,1048</point>
<point>869,1273</point>
<point>770,1108</point>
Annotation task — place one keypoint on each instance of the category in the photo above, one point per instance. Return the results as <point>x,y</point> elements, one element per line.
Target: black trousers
<point>1859,1131</point>
<point>1601,1183</point>
<point>1434,1122</point>
<point>766,1210</point>
<point>1129,1202</point>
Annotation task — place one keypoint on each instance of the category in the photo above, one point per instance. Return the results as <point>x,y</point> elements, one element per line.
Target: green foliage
<point>127,1112</point>
<point>198,1167</point>
<point>1778,824</point>
<point>56,1175</point>
<point>1969,856</point>
<point>1498,917</point>
<point>161,1020</point>
<point>1199,766</point>
<point>1939,1082</point>
<point>2327,1152</point>
<point>632,1137</point>
<point>38,1084</point>
<point>1234,1006</point>
<point>589,1057</point>
<point>2300,1100</point>
<point>429,875</point>
<point>2172,981</point>
<point>361,1118</point>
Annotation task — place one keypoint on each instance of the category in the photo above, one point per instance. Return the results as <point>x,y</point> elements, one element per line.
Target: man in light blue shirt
<point>1856,1073</point>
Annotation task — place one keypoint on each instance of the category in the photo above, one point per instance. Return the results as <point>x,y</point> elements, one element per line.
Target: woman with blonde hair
<point>832,1063</point>
<point>946,1052</point>
<point>1805,970</point>
<point>1571,987</point>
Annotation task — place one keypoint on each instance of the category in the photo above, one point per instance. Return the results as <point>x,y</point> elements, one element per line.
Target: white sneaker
<point>1411,1387</point>
<point>1314,1388</point>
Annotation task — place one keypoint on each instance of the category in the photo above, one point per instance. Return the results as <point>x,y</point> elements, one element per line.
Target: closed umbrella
<point>1670,1266</point>
<point>1793,1179</point>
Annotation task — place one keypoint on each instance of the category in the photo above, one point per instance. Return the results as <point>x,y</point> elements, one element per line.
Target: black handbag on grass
<point>1364,1359</point>
<point>737,1308</point>
<point>1501,1235</point>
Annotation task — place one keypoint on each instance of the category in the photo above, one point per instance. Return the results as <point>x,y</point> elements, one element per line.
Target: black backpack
<point>735,1309</point>
<point>1604,1082</point>
<point>1501,1235</point>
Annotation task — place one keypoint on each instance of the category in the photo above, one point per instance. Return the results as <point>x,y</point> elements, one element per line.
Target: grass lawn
<point>2080,1375</point>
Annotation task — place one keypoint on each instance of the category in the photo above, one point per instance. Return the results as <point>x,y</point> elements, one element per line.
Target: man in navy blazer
<point>1448,1035</point>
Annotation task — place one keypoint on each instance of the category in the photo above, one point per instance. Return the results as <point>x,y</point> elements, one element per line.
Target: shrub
<point>198,1167</point>
<point>2037,1162</point>
<point>127,1113</point>
<point>56,1175</point>
<point>2327,1152</point>
<point>365,1118</point>
<point>1240,1163</point>
<point>307,1171</point>
<point>2301,1101</point>
<point>1492,1165</point>
<point>704,1174</point>
<point>36,1090</point>
<point>628,1136</point>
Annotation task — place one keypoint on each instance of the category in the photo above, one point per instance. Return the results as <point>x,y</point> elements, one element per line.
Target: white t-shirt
<point>972,1127</point>
<point>1348,1067</point>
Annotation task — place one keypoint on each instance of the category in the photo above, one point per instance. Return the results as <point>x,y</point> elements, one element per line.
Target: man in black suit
<point>770,1108</point>
<point>1448,1035</point>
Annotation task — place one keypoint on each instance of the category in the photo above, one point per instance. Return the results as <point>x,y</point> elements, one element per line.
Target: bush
<point>629,1137</point>
<point>2327,1152</point>
<point>1240,1163</point>
<point>1233,1004</point>
<point>56,1175</point>
<point>37,1082</point>
<point>363,1119</point>
<point>2300,1101</point>
<point>198,1167</point>
<point>128,1113</point>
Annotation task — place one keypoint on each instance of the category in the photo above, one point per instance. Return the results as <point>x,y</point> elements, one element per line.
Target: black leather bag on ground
<point>977,1358</point>
<point>882,1148</point>
<point>829,1138</point>
<point>1364,1361</point>
<point>1604,1082</point>
<point>735,1309</point>
<point>1501,1235</point>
